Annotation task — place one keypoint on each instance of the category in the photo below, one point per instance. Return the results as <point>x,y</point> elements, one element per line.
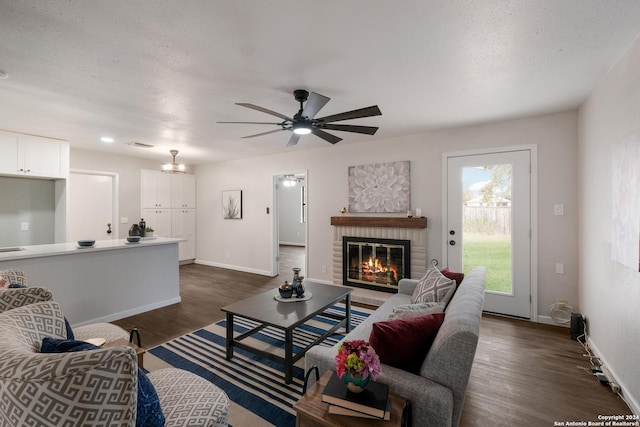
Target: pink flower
<point>358,359</point>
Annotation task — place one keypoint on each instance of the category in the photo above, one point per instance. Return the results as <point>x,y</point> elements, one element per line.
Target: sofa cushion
<point>458,277</point>
<point>404,311</point>
<point>404,343</point>
<point>433,287</point>
<point>149,412</point>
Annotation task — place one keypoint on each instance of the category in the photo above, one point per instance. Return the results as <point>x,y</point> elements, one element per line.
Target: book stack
<point>373,402</point>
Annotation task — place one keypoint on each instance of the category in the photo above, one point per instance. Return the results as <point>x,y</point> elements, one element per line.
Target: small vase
<point>355,384</point>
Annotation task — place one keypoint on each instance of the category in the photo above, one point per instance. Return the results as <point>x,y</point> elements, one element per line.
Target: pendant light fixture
<point>173,167</point>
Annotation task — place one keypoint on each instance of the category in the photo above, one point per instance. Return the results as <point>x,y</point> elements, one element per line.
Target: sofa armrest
<point>407,286</point>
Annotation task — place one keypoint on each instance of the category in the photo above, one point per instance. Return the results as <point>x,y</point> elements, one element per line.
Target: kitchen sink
<point>11,249</point>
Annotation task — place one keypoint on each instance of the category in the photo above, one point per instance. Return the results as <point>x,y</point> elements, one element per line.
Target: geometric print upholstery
<point>14,277</point>
<point>108,331</point>
<point>88,388</point>
<point>189,400</point>
<point>96,388</point>
<point>433,287</point>
<point>18,297</point>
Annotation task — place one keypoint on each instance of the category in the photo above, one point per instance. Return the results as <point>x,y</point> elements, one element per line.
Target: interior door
<point>488,223</point>
<point>91,207</point>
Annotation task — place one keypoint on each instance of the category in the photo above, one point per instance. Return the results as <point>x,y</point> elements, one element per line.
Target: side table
<point>311,411</point>
<point>139,351</point>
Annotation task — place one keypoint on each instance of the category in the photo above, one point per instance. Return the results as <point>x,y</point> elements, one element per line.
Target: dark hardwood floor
<point>524,374</point>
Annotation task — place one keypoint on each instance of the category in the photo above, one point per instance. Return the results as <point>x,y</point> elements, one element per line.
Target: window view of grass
<point>493,252</point>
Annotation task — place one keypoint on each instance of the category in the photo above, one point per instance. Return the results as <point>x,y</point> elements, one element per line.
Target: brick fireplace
<point>387,240</point>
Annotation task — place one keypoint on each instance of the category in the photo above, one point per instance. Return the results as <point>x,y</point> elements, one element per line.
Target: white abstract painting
<point>625,202</point>
<point>380,187</point>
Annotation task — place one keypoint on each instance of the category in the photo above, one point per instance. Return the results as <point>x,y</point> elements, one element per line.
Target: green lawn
<point>493,252</point>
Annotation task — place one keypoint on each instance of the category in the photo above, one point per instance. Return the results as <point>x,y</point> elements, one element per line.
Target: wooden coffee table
<point>265,310</point>
<point>311,411</point>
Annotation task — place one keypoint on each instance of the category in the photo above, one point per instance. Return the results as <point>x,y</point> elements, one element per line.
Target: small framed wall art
<point>232,204</point>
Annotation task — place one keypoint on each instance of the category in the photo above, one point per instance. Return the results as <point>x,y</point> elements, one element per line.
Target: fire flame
<point>374,266</point>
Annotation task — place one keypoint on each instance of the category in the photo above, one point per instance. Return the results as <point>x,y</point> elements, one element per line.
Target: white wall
<point>247,244</point>
<point>609,292</point>
<point>128,170</point>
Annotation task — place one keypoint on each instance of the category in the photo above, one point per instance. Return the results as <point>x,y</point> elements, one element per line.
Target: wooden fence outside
<point>487,220</point>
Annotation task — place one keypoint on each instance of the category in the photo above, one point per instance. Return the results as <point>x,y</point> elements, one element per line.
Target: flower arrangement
<point>357,359</point>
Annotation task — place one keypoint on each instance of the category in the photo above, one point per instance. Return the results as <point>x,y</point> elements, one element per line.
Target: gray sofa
<point>437,394</point>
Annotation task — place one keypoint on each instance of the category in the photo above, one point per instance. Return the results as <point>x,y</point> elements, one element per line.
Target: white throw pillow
<point>404,311</point>
<point>433,287</point>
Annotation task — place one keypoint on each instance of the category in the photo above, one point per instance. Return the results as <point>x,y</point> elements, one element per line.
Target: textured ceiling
<point>164,72</point>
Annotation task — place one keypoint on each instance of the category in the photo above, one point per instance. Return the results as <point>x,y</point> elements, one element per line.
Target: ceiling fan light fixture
<point>173,167</point>
<point>301,128</point>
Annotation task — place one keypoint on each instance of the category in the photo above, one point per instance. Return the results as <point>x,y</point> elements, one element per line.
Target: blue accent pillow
<point>16,285</point>
<point>149,412</point>
<point>67,326</point>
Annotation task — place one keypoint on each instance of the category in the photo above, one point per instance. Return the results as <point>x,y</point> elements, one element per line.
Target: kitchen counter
<point>38,251</point>
<point>112,280</point>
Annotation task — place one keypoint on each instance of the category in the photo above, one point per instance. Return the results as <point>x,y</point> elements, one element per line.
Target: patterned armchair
<point>97,387</point>
<point>18,297</point>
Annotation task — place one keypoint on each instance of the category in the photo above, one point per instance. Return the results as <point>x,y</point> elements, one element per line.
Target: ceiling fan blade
<point>293,140</point>
<point>355,114</point>
<point>326,136</point>
<point>263,133</point>
<point>314,104</point>
<point>264,110</point>
<point>253,123</point>
<point>369,130</point>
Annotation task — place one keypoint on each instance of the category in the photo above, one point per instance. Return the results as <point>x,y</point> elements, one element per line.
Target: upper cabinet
<point>33,156</point>
<point>155,189</point>
<point>183,191</point>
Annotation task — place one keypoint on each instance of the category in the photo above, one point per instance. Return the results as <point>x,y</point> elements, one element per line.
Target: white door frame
<point>533,149</point>
<point>115,179</point>
<point>275,235</point>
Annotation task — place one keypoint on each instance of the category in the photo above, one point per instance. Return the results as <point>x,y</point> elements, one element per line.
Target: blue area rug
<point>255,383</point>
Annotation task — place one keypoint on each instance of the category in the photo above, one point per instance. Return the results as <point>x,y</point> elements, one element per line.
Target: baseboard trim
<point>233,267</point>
<point>131,312</point>
<point>626,394</point>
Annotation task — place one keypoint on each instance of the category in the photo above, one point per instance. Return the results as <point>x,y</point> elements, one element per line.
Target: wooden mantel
<point>374,221</point>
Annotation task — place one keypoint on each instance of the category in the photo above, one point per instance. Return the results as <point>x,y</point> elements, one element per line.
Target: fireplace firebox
<point>375,263</point>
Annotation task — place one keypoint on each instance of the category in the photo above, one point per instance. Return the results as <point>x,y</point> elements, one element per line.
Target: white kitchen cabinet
<point>159,220</point>
<point>155,189</point>
<point>183,191</point>
<point>33,156</point>
<point>183,226</point>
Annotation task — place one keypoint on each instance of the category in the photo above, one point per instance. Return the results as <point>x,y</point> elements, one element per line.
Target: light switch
<point>24,226</point>
<point>559,268</point>
<point>558,210</point>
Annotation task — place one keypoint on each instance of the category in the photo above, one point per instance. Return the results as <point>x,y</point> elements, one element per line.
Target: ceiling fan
<point>304,121</point>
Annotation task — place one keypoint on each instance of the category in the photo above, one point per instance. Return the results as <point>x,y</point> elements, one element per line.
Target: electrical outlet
<point>324,269</point>
<point>24,226</point>
<point>124,220</point>
<point>559,268</point>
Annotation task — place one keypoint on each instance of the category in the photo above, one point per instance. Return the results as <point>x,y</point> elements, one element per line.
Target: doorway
<point>93,206</point>
<point>488,222</point>
<point>290,223</point>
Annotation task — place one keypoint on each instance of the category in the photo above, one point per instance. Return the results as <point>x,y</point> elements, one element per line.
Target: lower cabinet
<point>183,226</point>
<point>175,223</point>
<point>159,220</point>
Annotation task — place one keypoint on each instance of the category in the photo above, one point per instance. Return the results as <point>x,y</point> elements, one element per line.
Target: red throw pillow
<point>453,275</point>
<point>404,343</point>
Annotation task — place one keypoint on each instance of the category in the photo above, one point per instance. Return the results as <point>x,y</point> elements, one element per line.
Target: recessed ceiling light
<point>106,139</point>
<point>4,75</point>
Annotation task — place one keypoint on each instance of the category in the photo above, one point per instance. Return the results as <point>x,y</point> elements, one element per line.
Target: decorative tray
<point>307,296</point>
